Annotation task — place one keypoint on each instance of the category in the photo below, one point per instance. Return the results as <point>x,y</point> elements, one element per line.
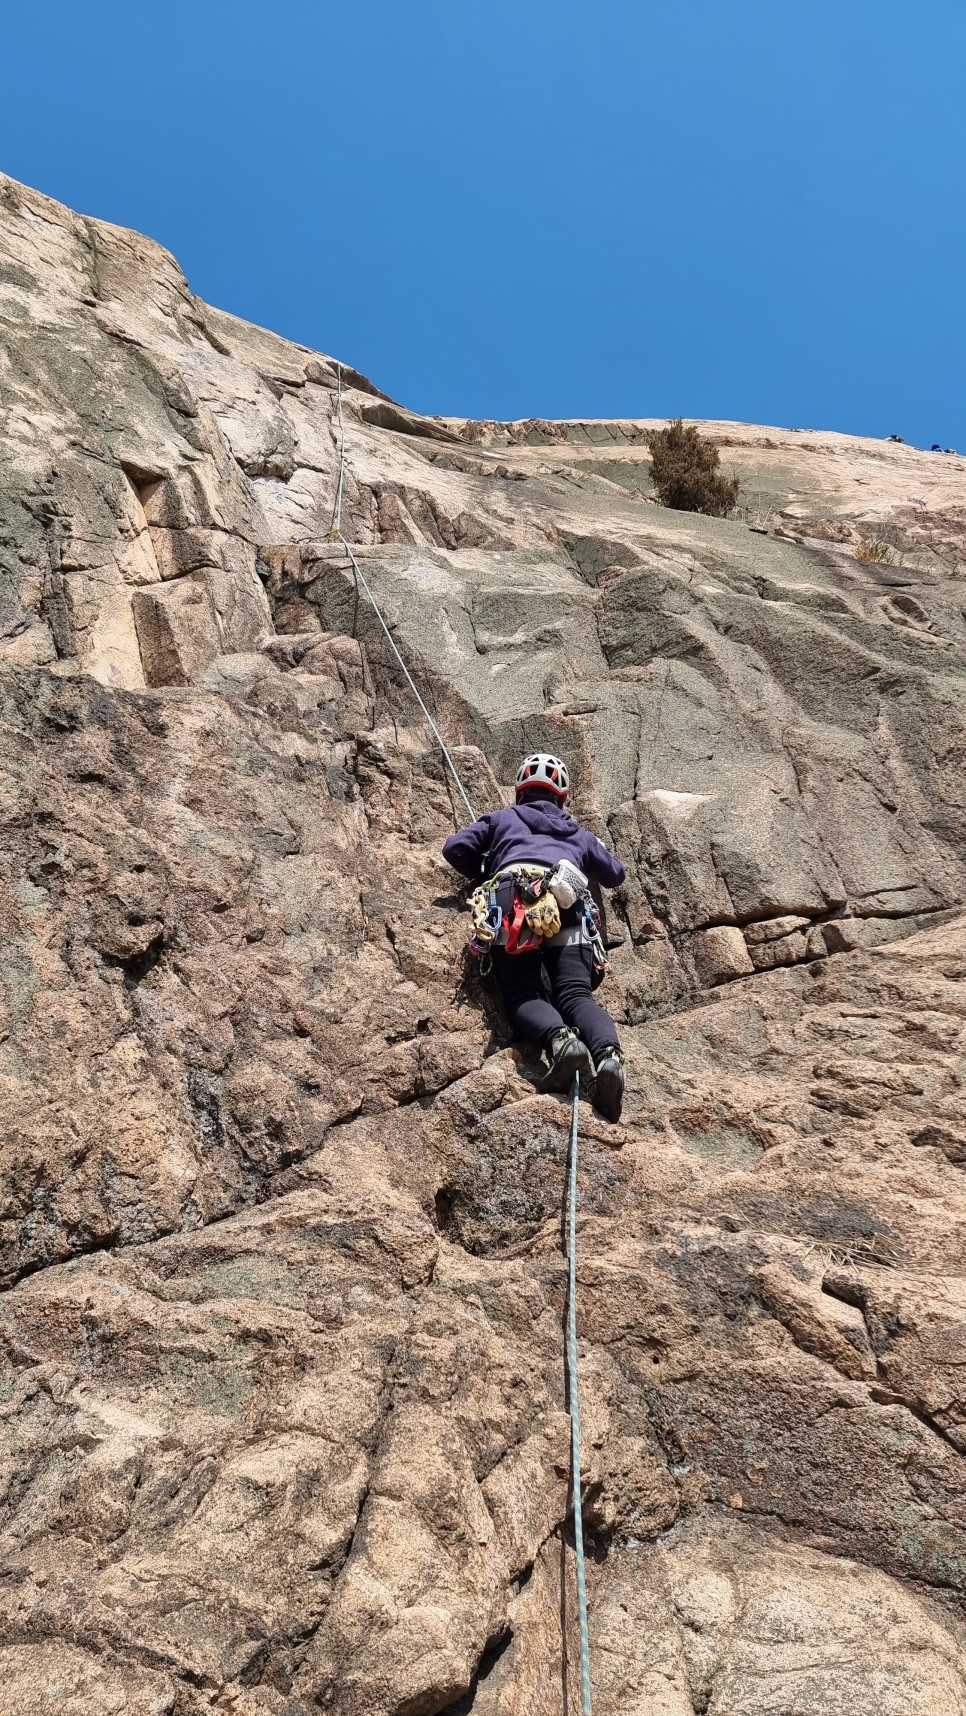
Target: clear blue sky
<point>722,208</point>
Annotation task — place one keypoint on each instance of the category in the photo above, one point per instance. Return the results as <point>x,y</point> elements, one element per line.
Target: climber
<point>533,913</point>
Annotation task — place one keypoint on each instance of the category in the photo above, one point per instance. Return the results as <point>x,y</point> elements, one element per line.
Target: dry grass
<point>873,550</point>
<point>877,1250</point>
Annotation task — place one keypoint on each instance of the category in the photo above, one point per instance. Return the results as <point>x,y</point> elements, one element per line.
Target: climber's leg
<point>519,978</point>
<point>570,970</point>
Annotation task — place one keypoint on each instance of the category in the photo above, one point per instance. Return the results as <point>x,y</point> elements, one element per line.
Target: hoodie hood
<point>546,818</point>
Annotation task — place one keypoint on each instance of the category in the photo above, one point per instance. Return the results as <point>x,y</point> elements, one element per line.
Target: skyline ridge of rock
<point>282,1412</point>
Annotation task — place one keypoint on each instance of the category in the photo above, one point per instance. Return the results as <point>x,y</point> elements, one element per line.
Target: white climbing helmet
<point>542,770</point>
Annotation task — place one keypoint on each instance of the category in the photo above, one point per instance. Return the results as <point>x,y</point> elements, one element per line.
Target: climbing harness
<point>335,535</point>
<point>573,1398</point>
<point>530,917</point>
<point>492,918</point>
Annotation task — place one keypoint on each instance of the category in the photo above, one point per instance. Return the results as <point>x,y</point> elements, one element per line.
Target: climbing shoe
<point>568,1055</point>
<point>609,1086</point>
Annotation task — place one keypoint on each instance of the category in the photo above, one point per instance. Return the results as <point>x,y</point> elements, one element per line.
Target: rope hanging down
<point>335,535</point>
<point>573,1391</point>
<point>335,528</point>
<point>431,724</point>
<point>573,1387</point>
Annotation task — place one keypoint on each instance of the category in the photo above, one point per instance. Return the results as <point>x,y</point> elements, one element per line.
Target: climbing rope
<point>431,724</point>
<point>573,1392</point>
<point>335,535</point>
<point>573,1389</point>
<point>336,524</point>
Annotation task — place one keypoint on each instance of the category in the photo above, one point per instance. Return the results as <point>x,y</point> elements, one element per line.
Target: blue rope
<point>574,1393</point>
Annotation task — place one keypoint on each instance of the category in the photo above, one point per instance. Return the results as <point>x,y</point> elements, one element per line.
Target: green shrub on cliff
<point>686,471</point>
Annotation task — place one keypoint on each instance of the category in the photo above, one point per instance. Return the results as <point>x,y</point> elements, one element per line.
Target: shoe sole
<point>609,1095</point>
<point>577,1059</point>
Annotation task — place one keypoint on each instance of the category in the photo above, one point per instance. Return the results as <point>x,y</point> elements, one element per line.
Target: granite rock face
<point>282,1405</point>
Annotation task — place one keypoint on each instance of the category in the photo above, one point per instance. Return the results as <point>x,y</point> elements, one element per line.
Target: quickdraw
<point>592,929</point>
<point>487,918</point>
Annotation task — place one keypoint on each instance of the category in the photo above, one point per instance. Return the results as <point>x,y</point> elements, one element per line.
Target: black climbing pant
<point>519,978</point>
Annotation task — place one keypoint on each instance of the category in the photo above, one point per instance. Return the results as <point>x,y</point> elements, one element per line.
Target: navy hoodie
<point>540,833</point>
